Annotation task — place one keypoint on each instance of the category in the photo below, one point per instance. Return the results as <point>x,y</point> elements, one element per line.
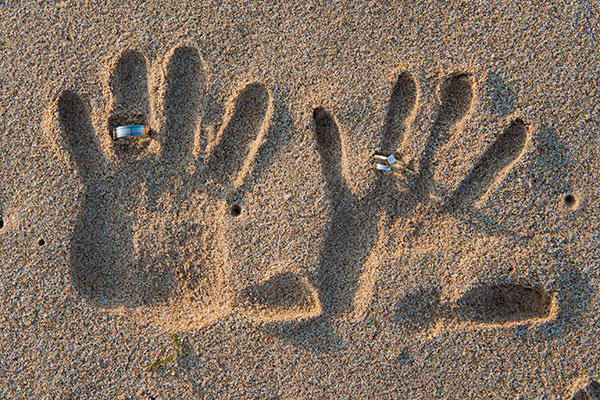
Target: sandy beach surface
<point>251,221</point>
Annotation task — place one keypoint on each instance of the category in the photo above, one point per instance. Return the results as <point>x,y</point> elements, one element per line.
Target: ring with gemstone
<point>390,163</point>
<point>130,130</point>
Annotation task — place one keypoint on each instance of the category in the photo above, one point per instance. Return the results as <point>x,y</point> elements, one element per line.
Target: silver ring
<point>390,164</point>
<point>130,130</point>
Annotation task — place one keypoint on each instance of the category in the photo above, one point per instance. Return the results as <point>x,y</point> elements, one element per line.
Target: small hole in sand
<point>41,242</point>
<point>570,201</point>
<point>236,210</point>
<point>1,223</point>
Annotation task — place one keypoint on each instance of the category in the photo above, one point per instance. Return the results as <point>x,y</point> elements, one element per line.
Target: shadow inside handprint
<point>419,309</point>
<point>488,302</point>
<point>100,271</point>
<point>352,234</point>
<point>500,155</point>
<point>351,231</point>
<point>111,266</point>
<point>504,302</point>
<point>455,101</point>
<point>129,88</point>
<point>285,293</point>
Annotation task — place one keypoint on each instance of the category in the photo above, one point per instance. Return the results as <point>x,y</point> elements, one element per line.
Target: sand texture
<point>252,223</point>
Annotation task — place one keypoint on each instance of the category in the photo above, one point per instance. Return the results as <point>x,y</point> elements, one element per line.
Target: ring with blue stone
<point>130,130</point>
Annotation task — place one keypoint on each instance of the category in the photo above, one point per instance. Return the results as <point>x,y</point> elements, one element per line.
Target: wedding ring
<point>130,130</point>
<point>391,159</point>
<point>390,164</point>
<point>382,167</point>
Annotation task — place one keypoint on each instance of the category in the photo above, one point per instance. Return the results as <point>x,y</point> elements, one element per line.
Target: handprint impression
<point>148,231</point>
<point>346,272</point>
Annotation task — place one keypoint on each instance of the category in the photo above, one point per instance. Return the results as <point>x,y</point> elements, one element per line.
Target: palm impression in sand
<point>149,235</point>
<point>351,265</point>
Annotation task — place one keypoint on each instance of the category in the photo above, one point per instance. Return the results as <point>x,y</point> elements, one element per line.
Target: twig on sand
<point>171,356</point>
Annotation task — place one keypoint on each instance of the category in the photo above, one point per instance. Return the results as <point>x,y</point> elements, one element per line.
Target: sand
<point>251,222</point>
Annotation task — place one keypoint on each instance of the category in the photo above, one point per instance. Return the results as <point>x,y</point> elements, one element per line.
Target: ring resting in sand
<point>391,163</point>
<point>130,130</point>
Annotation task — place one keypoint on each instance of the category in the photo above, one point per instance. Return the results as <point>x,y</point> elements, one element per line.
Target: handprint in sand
<point>404,208</point>
<point>150,234</point>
